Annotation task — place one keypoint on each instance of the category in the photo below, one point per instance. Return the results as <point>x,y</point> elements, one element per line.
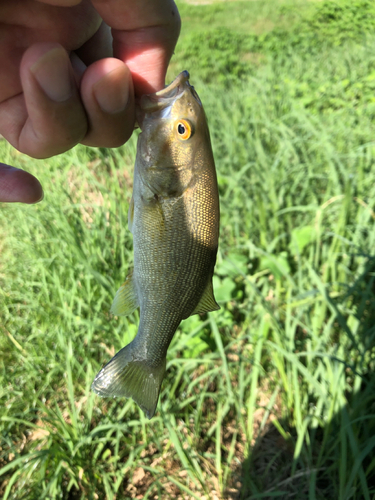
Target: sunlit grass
<point>270,397</point>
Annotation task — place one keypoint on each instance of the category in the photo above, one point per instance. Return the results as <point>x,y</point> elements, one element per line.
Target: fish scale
<point>174,218</point>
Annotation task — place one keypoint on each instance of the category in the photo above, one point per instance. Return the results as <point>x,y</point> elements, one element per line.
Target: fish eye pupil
<point>181,129</point>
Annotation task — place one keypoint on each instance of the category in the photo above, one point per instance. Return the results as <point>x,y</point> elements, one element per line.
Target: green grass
<point>273,395</point>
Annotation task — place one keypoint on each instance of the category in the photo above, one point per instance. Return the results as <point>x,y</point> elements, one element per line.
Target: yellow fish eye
<point>184,129</point>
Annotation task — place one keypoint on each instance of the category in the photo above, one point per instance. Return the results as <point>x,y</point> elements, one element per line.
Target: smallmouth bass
<point>174,218</point>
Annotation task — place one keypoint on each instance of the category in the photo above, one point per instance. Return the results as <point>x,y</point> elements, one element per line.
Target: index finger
<point>145,33</point>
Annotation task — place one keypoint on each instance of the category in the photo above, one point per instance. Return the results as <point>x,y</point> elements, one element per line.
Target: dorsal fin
<point>131,215</point>
<point>126,299</point>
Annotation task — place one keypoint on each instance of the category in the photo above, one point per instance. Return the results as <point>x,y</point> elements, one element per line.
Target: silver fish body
<point>174,218</point>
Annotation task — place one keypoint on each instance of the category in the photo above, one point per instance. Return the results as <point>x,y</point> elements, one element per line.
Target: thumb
<point>18,185</point>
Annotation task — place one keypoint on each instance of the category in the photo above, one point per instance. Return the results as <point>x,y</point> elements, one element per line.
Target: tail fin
<point>125,375</point>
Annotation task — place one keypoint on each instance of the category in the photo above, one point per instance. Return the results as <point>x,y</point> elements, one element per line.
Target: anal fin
<point>207,302</point>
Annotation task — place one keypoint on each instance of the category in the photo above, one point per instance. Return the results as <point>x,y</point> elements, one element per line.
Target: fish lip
<point>164,97</point>
<point>182,78</point>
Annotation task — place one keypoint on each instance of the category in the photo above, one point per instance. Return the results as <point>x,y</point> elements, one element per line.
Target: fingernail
<point>41,198</point>
<point>112,91</point>
<point>53,74</point>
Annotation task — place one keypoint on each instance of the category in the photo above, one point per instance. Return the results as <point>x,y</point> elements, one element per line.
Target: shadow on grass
<point>272,471</point>
<point>336,458</point>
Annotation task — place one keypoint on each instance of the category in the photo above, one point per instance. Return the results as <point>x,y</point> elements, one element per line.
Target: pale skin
<point>63,84</point>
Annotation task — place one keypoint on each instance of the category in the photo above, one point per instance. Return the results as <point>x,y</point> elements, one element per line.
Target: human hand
<point>18,185</point>
<point>60,84</point>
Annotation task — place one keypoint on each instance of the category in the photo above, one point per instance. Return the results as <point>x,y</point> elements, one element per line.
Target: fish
<point>174,218</point>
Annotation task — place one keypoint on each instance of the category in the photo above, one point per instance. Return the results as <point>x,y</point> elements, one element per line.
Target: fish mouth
<point>165,97</point>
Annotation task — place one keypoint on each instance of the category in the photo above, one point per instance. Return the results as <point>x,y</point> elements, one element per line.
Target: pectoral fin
<point>126,299</point>
<point>207,302</point>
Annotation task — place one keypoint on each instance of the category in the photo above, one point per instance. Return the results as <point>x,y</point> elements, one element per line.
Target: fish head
<point>174,134</point>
